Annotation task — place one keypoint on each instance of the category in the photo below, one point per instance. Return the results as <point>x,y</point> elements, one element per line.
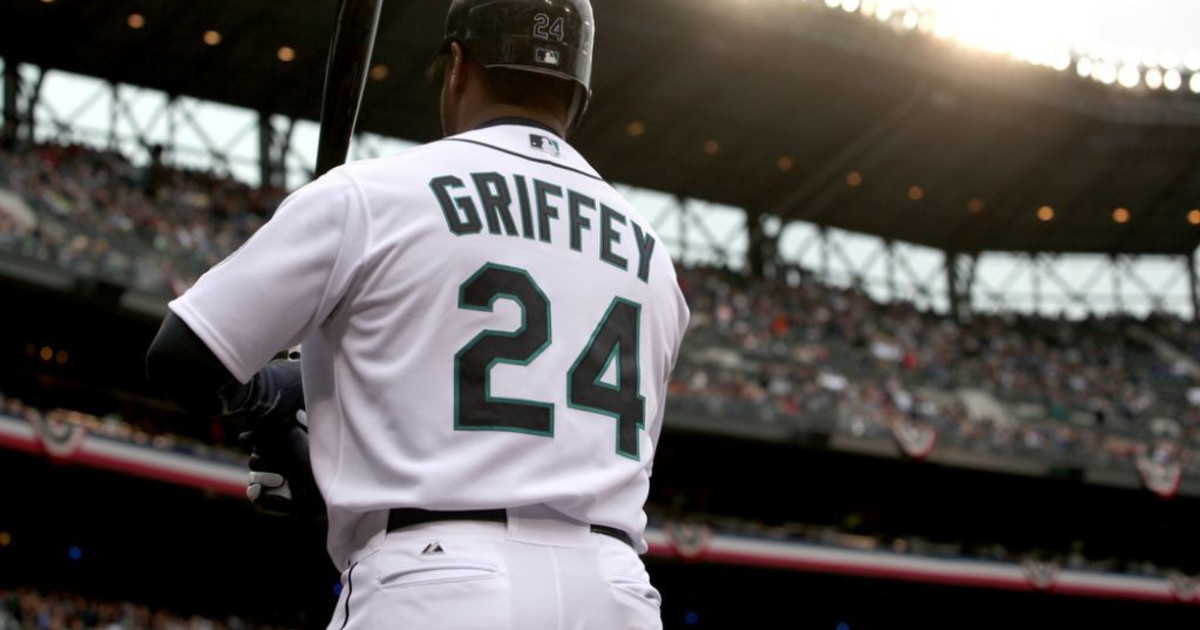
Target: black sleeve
<point>181,366</point>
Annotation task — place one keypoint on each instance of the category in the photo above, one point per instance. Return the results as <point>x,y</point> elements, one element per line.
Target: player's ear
<point>454,83</point>
<point>456,68</point>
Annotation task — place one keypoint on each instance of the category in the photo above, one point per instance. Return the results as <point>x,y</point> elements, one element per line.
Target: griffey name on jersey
<point>482,201</point>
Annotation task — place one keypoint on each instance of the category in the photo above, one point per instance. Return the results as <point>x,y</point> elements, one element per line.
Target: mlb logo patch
<point>547,56</point>
<point>544,144</point>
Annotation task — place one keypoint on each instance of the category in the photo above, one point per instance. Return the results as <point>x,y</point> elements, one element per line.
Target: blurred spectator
<point>28,609</point>
<point>117,428</point>
<point>784,353</point>
<point>155,229</point>
<point>771,351</point>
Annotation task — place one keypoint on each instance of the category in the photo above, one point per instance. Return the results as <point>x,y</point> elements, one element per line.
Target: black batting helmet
<point>551,37</point>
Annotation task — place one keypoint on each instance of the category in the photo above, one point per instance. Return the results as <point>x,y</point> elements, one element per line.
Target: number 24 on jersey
<point>615,339</point>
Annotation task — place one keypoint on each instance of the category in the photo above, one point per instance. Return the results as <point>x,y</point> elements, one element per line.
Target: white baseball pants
<point>533,573</point>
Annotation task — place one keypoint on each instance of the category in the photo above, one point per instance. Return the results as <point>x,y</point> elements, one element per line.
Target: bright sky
<point>1086,23</point>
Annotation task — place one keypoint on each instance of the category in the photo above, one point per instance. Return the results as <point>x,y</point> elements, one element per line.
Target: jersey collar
<point>517,120</point>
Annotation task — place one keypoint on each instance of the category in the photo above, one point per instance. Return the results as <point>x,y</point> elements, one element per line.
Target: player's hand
<point>281,482</point>
<point>278,396</point>
<point>268,491</point>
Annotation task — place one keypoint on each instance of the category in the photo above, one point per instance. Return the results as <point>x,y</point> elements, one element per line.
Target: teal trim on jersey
<point>635,455</point>
<point>577,223</point>
<point>598,382</point>
<point>526,157</point>
<point>496,204</point>
<point>486,333</point>
<point>608,236</point>
<point>451,206</point>
<point>645,246</point>
<point>542,191</point>
<point>527,229</point>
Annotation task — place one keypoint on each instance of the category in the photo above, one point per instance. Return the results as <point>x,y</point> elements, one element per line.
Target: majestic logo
<point>544,144</point>
<point>433,549</point>
<point>547,57</point>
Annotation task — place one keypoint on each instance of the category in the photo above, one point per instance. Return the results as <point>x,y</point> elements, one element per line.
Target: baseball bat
<point>345,79</point>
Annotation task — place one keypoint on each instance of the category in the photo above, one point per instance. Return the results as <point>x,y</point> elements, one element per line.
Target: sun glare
<point>1059,34</point>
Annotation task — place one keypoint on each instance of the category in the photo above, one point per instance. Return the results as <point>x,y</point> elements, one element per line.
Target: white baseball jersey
<point>485,324</point>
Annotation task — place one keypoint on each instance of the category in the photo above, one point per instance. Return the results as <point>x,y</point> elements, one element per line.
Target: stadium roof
<point>768,106</point>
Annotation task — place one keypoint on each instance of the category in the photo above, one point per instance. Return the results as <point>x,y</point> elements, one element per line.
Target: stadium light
<point>1194,217</point>
<point>1061,60</point>
<point>1172,80</point>
<point>786,163</point>
<point>1129,76</point>
<point>1154,78</point>
<point>1121,215</point>
<point>1083,67</point>
<point>212,38</point>
<point>136,21</point>
<point>712,147</point>
<point>1045,213</point>
<point>286,54</point>
<point>1131,56</point>
<point>635,129</point>
<point>916,193</point>
<point>1194,83</point>
<point>379,72</point>
<point>854,179</point>
<point>1151,57</point>
<point>943,29</point>
<point>1053,35</point>
<point>975,206</point>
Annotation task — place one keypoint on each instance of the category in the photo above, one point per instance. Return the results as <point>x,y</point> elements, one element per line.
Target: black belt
<point>406,517</point>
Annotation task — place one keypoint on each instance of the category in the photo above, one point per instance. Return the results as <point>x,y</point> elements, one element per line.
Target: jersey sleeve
<point>284,281</point>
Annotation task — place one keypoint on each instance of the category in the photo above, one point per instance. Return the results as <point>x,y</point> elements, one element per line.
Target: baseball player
<point>488,328</point>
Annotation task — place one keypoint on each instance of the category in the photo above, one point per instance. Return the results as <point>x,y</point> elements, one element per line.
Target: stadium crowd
<point>786,353</point>
<point>1102,390</point>
<point>850,535</point>
<point>116,427</point>
<point>152,228</point>
<point>28,609</point>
